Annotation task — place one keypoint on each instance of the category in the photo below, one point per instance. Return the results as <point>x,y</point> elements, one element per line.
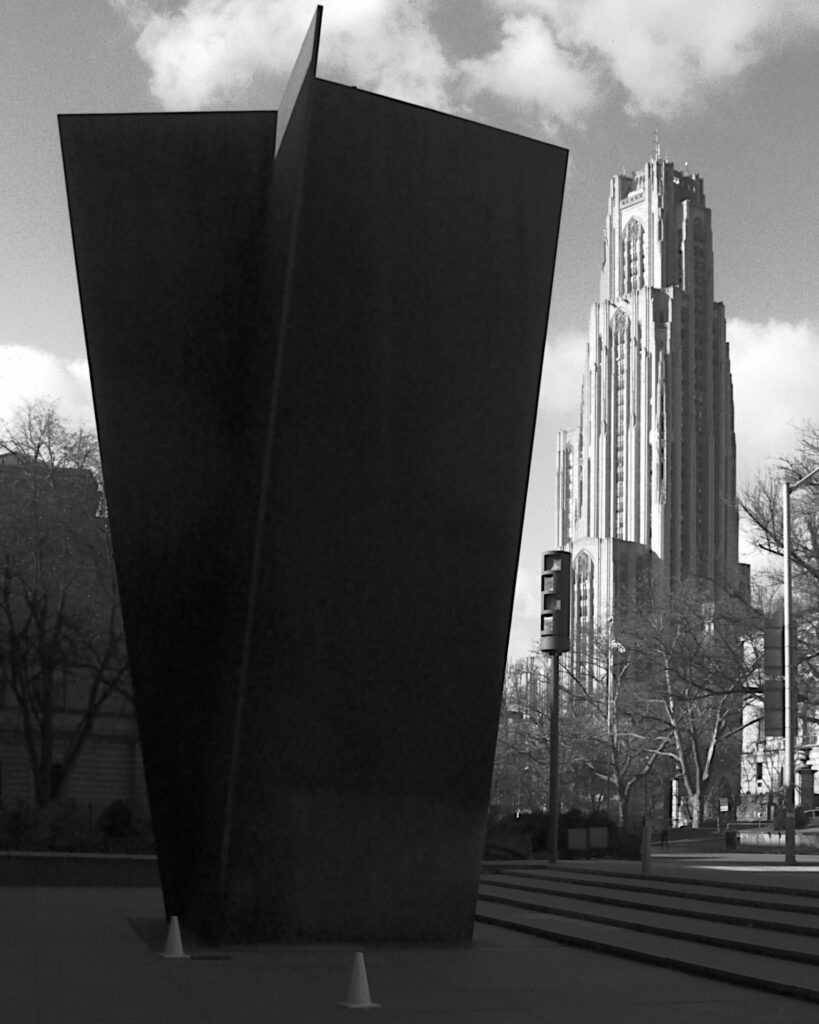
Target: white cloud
<point>552,59</point>
<point>525,615</point>
<point>208,51</point>
<point>775,368</point>
<point>29,373</point>
<point>387,46</point>
<point>558,407</point>
<point>665,54</point>
<point>527,593</point>
<point>561,379</point>
<point>529,68</point>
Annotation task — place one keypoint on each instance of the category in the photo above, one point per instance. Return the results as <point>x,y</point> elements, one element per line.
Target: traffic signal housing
<point>774,663</point>
<point>555,609</point>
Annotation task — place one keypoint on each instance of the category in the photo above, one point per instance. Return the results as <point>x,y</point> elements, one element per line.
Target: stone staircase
<point>754,935</point>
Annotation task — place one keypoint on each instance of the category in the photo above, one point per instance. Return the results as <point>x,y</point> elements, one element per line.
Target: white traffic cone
<point>173,944</point>
<point>358,995</point>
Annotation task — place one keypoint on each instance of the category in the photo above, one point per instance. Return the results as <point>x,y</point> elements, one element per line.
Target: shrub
<point>536,825</point>
<point>626,844</point>
<point>117,820</point>
<point>67,826</point>
<point>21,829</point>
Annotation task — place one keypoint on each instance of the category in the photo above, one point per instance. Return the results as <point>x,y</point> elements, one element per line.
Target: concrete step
<point>751,934</point>
<point>725,889</point>
<point>785,976</point>
<point>773,914</point>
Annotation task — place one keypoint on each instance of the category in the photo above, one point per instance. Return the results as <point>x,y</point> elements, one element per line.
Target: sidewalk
<point>766,869</point>
<point>88,956</point>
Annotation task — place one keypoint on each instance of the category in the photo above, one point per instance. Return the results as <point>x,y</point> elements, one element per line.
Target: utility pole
<point>787,774</point>
<point>555,586</point>
<point>608,721</point>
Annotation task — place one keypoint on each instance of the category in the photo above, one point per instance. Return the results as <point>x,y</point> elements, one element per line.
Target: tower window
<point>633,275</point>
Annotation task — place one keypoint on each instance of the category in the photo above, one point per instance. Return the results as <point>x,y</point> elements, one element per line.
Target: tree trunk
<point>623,794</point>
<point>42,783</point>
<point>695,801</point>
<point>623,806</point>
<point>42,775</point>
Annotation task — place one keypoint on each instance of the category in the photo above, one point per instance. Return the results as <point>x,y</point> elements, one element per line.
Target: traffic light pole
<point>554,759</point>
<point>555,620</point>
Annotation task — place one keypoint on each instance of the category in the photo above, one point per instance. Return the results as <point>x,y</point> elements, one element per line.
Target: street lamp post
<point>613,645</point>
<point>608,728</point>
<point>788,771</point>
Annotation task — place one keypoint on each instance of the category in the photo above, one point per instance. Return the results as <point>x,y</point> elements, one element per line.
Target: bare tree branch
<point>59,608</point>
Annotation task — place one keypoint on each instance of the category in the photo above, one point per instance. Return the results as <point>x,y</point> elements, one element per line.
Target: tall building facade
<point>646,484</point>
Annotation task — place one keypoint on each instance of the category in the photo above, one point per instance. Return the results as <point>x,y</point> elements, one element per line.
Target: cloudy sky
<point>731,86</point>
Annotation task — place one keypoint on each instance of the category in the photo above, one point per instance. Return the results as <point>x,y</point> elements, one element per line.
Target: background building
<point>68,730</point>
<point>646,484</point>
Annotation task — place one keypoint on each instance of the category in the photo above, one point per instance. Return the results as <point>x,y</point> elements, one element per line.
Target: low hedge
<point>65,827</point>
<point>528,832</point>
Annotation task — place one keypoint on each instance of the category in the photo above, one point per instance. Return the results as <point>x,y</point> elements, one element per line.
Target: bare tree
<point>761,507</point>
<point>696,653</point>
<point>612,728</point>
<point>61,638</point>
<point>520,779</point>
<point>608,739</point>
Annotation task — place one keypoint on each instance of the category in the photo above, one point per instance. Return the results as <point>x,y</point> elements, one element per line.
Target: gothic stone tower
<point>646,485</point>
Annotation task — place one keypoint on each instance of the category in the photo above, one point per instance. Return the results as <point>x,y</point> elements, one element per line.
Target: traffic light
<point>774,662</point>
<point>774,692</point>
<point>555,586</point>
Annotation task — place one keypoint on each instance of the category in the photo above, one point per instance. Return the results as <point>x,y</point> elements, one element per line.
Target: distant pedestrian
<point>664,837</point>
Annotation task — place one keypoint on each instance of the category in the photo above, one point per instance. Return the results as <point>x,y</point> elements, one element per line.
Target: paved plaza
<point>90,956</point>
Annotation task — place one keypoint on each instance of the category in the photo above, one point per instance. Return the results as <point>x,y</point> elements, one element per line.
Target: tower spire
<point>656,143</point>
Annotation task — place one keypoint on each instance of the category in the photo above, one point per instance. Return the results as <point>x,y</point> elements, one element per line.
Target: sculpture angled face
<point>315,403</point>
